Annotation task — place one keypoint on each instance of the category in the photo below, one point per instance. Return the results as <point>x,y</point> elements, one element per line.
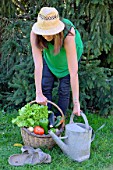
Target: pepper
<point>44,124</point>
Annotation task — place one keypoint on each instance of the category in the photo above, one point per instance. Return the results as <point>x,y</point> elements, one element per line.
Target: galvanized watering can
<point>77,139</point>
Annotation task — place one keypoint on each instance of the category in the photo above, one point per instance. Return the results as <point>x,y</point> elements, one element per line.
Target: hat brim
<point>52,31</point>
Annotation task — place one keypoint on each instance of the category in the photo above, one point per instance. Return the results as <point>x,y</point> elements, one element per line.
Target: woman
<point>56,48</point>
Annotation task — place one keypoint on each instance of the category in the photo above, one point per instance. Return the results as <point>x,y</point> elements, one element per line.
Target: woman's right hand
<point>41,99</point>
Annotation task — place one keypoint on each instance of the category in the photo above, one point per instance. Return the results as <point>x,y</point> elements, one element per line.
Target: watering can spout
<point>59,142</point>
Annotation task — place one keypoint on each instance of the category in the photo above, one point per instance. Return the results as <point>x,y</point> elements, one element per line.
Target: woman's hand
<point>41,99</point>
<point>76,108</point>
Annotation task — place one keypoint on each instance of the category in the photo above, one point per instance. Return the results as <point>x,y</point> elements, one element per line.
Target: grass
<point>101,148</point>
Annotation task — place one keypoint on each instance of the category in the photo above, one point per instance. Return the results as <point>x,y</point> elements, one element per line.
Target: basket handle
<point>34,101</point>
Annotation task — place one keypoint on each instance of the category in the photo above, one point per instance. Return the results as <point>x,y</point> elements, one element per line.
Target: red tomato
<point>38,130</point>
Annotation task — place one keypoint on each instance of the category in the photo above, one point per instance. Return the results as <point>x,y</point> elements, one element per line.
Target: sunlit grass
<point>101,148</point>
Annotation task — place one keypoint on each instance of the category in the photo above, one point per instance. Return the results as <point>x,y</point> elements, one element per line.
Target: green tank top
<point>58,63</point>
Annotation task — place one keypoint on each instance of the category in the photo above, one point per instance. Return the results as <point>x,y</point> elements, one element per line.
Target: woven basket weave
<point>31,139</point>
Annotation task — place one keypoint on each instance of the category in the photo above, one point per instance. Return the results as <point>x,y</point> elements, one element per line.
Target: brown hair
<point>58,41</point>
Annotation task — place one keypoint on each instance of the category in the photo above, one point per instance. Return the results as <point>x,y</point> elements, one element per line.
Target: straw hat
<point>48,22</point>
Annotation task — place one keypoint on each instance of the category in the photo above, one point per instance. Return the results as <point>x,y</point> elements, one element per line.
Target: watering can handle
<point>84,117</point>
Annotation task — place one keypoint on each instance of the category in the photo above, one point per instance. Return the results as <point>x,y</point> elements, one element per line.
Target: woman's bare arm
<point>70,48</point>
<point>37,57</point>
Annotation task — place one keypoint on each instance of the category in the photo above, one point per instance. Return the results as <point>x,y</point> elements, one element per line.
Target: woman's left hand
<point>76,108</point>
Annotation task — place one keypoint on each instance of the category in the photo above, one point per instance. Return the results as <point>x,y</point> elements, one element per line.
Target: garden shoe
<point>29,156</point>
<point>20,159</point>
<point>38,155</point>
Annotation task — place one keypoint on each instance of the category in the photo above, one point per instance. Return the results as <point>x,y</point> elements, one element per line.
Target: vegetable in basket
<point>38,130</point>
<point>30,115</point>
<point>58,121</point>
<point>54,130</point>
<point>44,124</point>
<point>30,129</point>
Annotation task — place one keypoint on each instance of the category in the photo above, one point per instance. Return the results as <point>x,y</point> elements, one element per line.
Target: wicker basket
<point>31,139</point>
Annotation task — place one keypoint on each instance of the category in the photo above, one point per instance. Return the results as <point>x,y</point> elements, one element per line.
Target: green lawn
<point>101,148</point>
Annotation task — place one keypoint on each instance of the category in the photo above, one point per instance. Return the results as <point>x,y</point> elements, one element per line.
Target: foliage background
<point>94,20</point>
